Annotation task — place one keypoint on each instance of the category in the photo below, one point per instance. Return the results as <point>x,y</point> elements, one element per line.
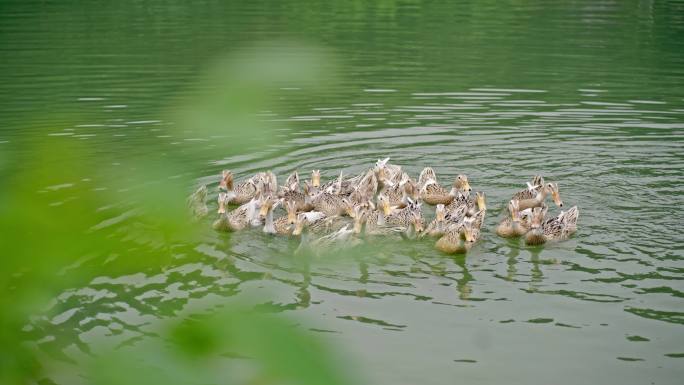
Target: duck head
<point>514,209</point>
<point>265,205</point>
<point>299,224</point>
<point>291,207</point>
<point>537,217</point>
<point>384,205</point>
<point>411,190</point>
<point>359,218</point>
<point>226,182</point>
<point>468,231</point>
<point>349,207</point>
<point>552,188</point>
<point>461,183</point>
<point>316,178</point>
<point>440,213</point>
<point>417,222</point>
<point>222,197</point>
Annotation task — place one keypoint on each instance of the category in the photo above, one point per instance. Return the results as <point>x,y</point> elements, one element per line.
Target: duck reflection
<point>463,285</point>
<point>511,262</point>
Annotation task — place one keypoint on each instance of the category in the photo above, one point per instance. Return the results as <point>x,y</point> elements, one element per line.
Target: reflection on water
<point>587,93</point>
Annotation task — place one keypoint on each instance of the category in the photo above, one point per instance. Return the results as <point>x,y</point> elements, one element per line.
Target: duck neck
<point>542,195</point>
<point>252,214</point>
<point>381,218</point>
<point>268,225</point>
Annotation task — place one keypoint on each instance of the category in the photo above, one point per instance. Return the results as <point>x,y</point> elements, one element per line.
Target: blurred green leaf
<point>71,211</point>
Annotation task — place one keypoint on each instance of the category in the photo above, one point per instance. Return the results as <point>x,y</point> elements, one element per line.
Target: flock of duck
<point>384,201</point>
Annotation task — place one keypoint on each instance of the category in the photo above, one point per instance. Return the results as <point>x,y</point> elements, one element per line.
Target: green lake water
<point>588,93</point>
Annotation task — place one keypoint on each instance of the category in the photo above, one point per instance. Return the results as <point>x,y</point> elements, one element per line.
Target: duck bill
<point>291,218</point>
<point>316,181</point>
<point>222,208</point>
<point>466,186</point>
<point>481,205</point>
<point>386,208</point>
<point>263,211</point>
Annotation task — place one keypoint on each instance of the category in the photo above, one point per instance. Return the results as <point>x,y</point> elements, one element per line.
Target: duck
<point>461,236</point>
<point>437,227</point>
<point>238,219</point>
<point>512,225</point>
<point>478,219</point>
<point>285,224</point>
<point>432,193</point>
<point>316,178</point>
<point>399,194</point>
<point>472,205</point>
<point>268,183</point>
<point>387,173</point>
<point>292,181</point>
<point>243,192</point>
<point>479,216</point>
<point>535,194</point>
<point>327,203</point>
<point>359,215</point>
<point>368,185</point>
<point>414,228</point>
<point>417,224</point>
<point>453,240</point>
<point>532,188</point>
<point>352,207</point>
<point>428,173</point>
<point>376,218</point>
<point>558,228</point>
<point>197,203</point>
<point>365,190</point>
<point>471,233</point>
<point>292,194</point>
<point>404,216</point>
<point>266,213</point>
<point>342,186</point>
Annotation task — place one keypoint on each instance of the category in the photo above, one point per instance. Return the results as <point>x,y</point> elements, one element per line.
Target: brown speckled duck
<point>241,193</point>
<point>327,203</point>
<point>536,192</point>
<point>432,193</point>
<point>558,228</point>
<point>238,219</point>
<point>512,224</point>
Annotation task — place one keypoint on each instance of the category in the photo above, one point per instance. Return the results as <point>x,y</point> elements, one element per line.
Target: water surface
<point>590,94</point>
